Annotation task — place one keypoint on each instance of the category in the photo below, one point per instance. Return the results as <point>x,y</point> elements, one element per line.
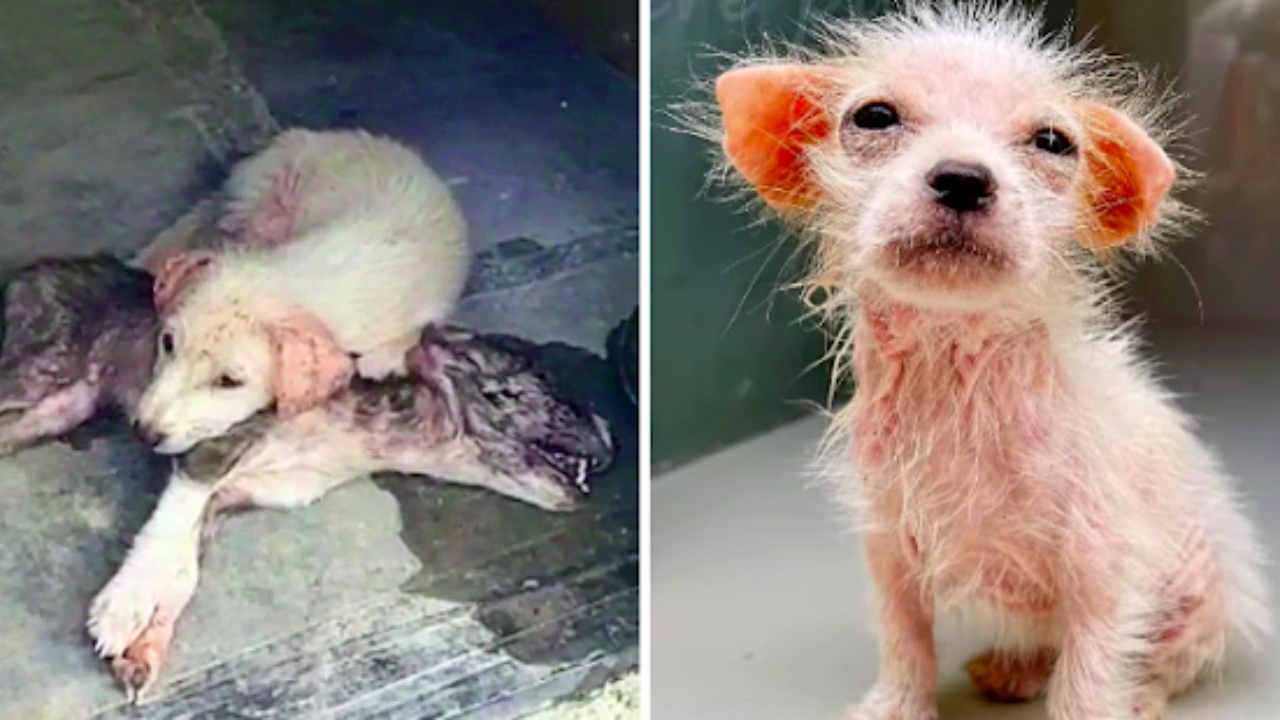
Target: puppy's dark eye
<point>227,382</point>
<point>166,342</point>
<point>1053,142</point>
<point>876,116</point>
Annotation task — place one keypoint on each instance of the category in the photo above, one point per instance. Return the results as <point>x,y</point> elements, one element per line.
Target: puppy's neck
<point>894,328</point>
<point>918,371</point>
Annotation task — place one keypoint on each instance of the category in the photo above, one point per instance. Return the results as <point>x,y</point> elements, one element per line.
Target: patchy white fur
<point>1007,445</point>
<point>158,577</point>
<point>377,249</point>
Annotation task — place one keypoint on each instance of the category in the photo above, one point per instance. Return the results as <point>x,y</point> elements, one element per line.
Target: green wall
<point>728,359</point>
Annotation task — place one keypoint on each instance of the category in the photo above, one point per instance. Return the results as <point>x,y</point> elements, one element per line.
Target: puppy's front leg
<point>908,663</point>
<point>132,618</point>
<point>1091,680</point>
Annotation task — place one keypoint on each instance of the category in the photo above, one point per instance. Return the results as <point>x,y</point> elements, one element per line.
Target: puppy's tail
<point>1243,563</point>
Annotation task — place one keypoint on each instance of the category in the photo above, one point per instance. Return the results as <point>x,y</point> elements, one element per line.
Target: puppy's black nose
<point>963,187</point>
<point>148,434</point>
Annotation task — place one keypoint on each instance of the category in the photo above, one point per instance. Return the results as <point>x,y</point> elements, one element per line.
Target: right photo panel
<point>965,359</point>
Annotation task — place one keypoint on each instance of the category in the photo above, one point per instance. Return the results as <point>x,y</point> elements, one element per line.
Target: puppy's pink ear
<point>310,366</point>
<point>1127,177</point>
<point>771,115</point>
<point>176,276</point>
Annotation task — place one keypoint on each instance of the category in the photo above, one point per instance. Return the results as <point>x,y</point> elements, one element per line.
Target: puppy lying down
<point>472,410</point>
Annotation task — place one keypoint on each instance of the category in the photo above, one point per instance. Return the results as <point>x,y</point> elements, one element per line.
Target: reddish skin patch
<point>272,223</point>
<point>310,366</point>
<point>770,117</point>
<point>1127,175</point>
<point>178,273</point>
<point>936,391</point>
<point>933,392</point>
<point>139,665</point>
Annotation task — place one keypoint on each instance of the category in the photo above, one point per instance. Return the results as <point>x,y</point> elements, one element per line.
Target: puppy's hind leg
<point>55,414</point>
<point>158,583</point>
<point>1012,677</point>
<point>250,491</point>
<point>1102,614</point>
<point>132,620</point>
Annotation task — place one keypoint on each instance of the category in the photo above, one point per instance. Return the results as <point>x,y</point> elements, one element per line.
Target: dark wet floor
<point>400,597</point>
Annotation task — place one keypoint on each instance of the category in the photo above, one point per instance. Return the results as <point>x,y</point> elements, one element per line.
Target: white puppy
<point>346,245</point>
<point>1007,452</point>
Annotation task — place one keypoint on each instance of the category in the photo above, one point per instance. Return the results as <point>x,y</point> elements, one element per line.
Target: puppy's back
<point>339,174</point>
<point>379,246</point>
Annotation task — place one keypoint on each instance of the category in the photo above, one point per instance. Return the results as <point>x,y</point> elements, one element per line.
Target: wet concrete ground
<point>397,597</point>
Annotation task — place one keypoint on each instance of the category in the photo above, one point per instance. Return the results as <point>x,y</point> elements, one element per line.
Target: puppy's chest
<point>928,398</point>
<point>959,442</point>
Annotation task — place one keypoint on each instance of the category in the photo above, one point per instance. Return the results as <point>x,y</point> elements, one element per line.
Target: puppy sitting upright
<point>1007,450</point>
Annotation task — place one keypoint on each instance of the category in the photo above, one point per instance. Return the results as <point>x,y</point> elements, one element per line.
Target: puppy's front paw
<point>888,703</point>
<point>132,620</point>
<point>121,611</point>
<point>145,591</point>
<point>1151,704</point>
<point>139,665</point>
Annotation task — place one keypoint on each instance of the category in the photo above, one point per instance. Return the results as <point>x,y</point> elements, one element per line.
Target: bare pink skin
<point>925,380</point>
<point>272,221</point>
<point>140,664</point>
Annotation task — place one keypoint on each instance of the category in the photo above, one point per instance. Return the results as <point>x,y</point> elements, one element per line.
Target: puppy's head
<point>224,353</point>
<point>948,156</point>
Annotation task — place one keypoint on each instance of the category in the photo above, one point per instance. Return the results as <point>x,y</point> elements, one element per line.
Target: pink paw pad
<point>139,665</point>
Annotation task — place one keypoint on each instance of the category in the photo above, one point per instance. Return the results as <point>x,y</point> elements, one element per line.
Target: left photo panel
<point>319,369</point>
